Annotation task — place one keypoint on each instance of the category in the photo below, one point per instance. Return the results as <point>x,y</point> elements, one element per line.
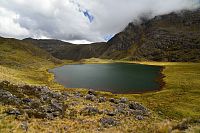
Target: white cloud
<point>9,26</point>
<point>78,41</point>
<point>65,19</point>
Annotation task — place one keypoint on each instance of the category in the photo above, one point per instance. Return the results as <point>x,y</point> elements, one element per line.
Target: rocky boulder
<point>108,122</point>
<point>89,110</point>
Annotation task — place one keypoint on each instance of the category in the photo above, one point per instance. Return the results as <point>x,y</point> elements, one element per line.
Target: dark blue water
<point>116,78</point>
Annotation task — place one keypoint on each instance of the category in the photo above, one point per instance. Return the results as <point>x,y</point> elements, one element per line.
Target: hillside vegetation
<point>24,63</point>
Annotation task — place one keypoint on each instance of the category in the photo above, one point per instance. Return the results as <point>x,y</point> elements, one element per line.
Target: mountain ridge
<point>159,39</point>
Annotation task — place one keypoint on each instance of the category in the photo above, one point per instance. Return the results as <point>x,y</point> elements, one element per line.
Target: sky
<point>79,21</point>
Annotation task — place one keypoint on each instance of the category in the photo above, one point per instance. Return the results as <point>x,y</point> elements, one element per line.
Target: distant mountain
<point>171,37</point>
<point>65,50</point>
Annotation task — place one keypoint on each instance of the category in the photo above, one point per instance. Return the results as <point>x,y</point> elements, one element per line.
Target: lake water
<point>115,78</point>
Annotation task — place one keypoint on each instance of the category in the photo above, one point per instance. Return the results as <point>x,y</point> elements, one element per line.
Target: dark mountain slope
<point>65,50</point>
<point>172,37</point>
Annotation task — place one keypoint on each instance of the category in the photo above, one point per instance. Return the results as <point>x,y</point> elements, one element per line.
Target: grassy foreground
<point>24,64</point>
<point>179,98</point>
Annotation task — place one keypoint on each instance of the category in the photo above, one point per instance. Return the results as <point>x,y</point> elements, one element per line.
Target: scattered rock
<point>139,117</point>
<point>5,83</point>
<point>56,95</point>
<point>26,100</point>
<point>137,112</point>
<point>13,112</point>
<point>160,113</point>
<point>113,100</point>
<point>111,113</point>
<point>196,121</point>
<point>8,98</point>
<point>123,100</point>
<point>89,110</point>
<point>65,128</point>
<point>49,116</point>
<point>78,94</point>
<point>182,125</point>
<point>65,94</point>
<point>44,89</point>
<point>56,114</point>
<point>45,98</point>
<point>57,106</point>
<point>108,122</point>
<point>101,99</point>
<point>137,106</point>
<point>41,102</point>
<point>92,92</point>
<point>122,108</point>
<point>35,104</point>
<point>90,97</point>
<point>24,125</point>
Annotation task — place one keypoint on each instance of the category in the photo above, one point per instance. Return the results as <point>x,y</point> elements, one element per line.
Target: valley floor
<point>174,108</point>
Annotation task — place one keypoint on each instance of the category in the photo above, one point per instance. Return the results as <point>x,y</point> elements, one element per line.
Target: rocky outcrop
<point>42,103</point>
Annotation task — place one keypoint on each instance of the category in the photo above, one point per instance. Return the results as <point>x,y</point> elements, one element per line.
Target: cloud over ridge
<point>91,20</point>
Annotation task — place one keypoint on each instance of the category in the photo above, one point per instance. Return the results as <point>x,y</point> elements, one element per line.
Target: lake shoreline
<point>159,79</point>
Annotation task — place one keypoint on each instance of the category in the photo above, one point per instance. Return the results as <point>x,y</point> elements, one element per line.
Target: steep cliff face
<point>171,37</point>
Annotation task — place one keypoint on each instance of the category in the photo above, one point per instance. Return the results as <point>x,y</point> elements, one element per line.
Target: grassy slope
<point>24,63</point>
<point>179,99</point>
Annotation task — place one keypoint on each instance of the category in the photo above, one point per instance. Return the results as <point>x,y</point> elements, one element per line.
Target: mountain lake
<point>120,78</point>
